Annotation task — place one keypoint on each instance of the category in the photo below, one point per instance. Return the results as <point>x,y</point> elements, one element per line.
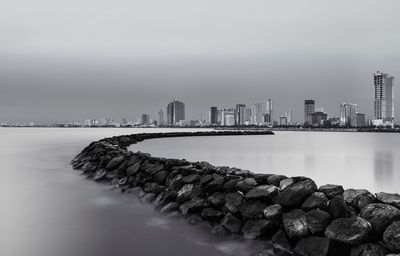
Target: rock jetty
<point>291,213</point>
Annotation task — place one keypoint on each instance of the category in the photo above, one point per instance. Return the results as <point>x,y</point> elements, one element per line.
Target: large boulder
<point>255,228</point>
<point>194,205</point>
<point>380,216</point>
<point>313,246</point>
<point>391,236</point>
<point>211,214</point>
<point>331,190</point>
<point>252,209</point>
<point>233,201</point>
<point>263,192</point>
<point>388,198</point>
<point>352,231</point>
<point>246,185</point>
<point>230,186</point>
<point>216,185</point>
<point>217,199</point>
<point>184,193</point>
<point>295,224</point>
<point>231,223</point>
<point>281,244</point>
<point>317,221</point>
<point>115,162</point>
<point>369,250</point>
<point>170,207</point>
<point>285,183</point>
<point>317,200</point>
<point>273,212</point>
<point>296,193</point>
<point>191,178</point>
<point>276,179</point>
<point>358,198</point>
<point>337,208</point>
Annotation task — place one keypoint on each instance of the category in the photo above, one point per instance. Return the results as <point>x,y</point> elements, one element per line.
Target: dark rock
<point>206,179</point>
<point>391,236</point>
<point>148,197</point>
<point>285,183</point>
<point>368,250</point>
<point>175,183</point>
<point>273,212</point>
<point>114,163</point>
<point>352,231</point>
<point>100,175</point>
<point>281,244</point>
<point>153,168</point>
<point>337,208</point>
<point>231,223</point>
<point>252,209</point>
<point>153,187</point>
<point>191,178</point>
<point>255,228</point>
<point>317,221</point>
<point>211,214</point>
<point>262,179</point>
<point>296,193</point>
<point>194,219</point>
<point>132,160</point>
<point>218,230</point>
<point>197,191</point>
<point>263,192</point>
<point>194,205</point>
<point>331,190</point>
<point>170,207</point>
<point>317,200</point>
<point>295,224</point>
<point>104,161</point>
<point>358,198</point>
<point>164,198</point>
<point>387,198</point>
<point>380,216</point>
<point>313,246</point>
<point>133,169</point>
<point>216,185</point>
<point>217,199</point>
<point>276,179</point>
<point>246,185</point>
<point>184,193</point>
<point>233,201</point>
<point>230,186</point>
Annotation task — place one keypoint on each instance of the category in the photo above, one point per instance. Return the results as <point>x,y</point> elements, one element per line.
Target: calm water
<point>48,209</point>
<point>355,160</point>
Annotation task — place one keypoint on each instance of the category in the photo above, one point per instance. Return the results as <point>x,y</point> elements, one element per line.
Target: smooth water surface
<point>354,160</point>
<point>48,209</point>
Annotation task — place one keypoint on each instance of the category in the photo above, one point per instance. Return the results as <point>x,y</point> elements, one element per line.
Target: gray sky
<point>75,59</point>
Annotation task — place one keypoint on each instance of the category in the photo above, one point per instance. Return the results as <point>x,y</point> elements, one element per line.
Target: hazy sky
<point>75,59</point>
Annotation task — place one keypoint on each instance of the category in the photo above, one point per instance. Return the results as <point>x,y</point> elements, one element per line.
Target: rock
<point>276,179</point>
<point>358,198</point>
<point>380,216</point>
<point>252,209</point>
<point>194,219</point>
<point>148,197</point>
<point>313,246</point>
<point>295,224</point>
<point>170,207</point>
<point>176,182</point>
<point>205,180</point>
<point>283,184</point>
<point>194,205</point>
<point>161,176</point>
<point>153,168</point>
<point>100,175</point>
<point>233,201</point>
<point>262,179</point>
<point>191,178</point>
<point>281,244</point>
<point>368,250</point>
<point>263,192</point>
<point>337,208</point>
<point>317,200</point>
<point>197,191</point>
<point>231,223</point>
<point>352,231</point>
<point>295,194</point>
<point>217,199</point>
<point>246,185</point>
<point>218,230</point>
<point>133,169</point>
<point>391,236</point>
<point>164,198</point>
<point>331,190</point>
<point>387,198</point>
<point>184,193</point>
<point>317,221</point>
<point>255,228</point>
<point>273,212</point>
<point>153,187</point>
<point>211,214</point>
<point>114,163</point>
<point>230,186</point>
<point>216,185</point>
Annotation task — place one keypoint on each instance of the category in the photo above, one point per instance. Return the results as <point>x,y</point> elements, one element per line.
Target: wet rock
<point>100,175</point>
<point>352,231</point>
<point>175,183</point>
<point>194,205</point>
<point>283,184</point>
<point>337,208</point>
<point>205,180</point>
<point>211,214</point>
<point>218,230</point>
<point>216,185</point>
<point>231,223</point>
<point>148,197</point>
<point>217,199</point>
<point>276,179</point>
<point>295,224</point>
<point>313,246</point>
<point>153,187</point>
<point>317,200</point>
<point>233,201</point>
<point>253,209</point>
<point>262,179</point>
<point>380,216</point>
<point>388,198</point>
<point>161,176</point>
<point>170,207</point>
<point>133,169</point>
<point>368,250</point>
<point>191,178</point>
<point>295,194</point>
<point>197,191</point>
<point>153,168</point>
<point>246,185</point>
<point>184,193</point>
<point>281,244</point>
<point>230,186</point>
<point>358,198</point>
<point>194,219</point>
<point>391,236</point>
<point>114,163</point>
<point>164,198</point>
<point>317,221</point>
<point>331,190</point>
<point>255,228</point>
<point>273,212</point>
<point>263,192</point>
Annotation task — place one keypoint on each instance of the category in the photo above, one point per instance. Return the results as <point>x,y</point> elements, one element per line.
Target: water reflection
<point>383,168</point>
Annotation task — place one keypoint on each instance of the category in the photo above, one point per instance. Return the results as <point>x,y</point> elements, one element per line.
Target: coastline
<point>292,214</point>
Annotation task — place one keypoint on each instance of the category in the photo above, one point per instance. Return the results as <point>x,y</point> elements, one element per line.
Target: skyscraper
<point>269,111</point>
<point>175,112</point>
<point>214,115</point>
<point>289,116</point>
<point>309,108</point>
<point>145,119</point>
<point>228,117</point>
<point>384,99</point>
<point>347,111</point>
<point>240,114</point>
<point>257,113</point>
<point>160,117</point>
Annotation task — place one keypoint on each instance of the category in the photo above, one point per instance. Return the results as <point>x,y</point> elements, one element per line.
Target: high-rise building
<point>160,117</point>
<point>269,111</point>
<point>247,115</point>
<point>145,119</point>
<point>358,120</point>
<point>175,112</point>
<point>283,121</point>
<point>214,116</point>
<point>257,113</point>
<point>317,118</point>
<point>228,117</point>
<point>384,99</point>
<point>347,110</point>
<point>309,108</point>
<point>240,114</point>
<point>289,116</point>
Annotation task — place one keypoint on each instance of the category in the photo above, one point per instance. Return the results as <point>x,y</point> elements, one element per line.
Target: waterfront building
<point>269,111</point>
<point>228,117</point>
<point>267,119</point>
<point>247,116</point>
<point>160,117</point>
<point>283,121</point>
<point>289,116</point>
<point>347,111</point>
<point>240,114</point>
<point>318,117</point>
<point>384,99</point>
<point>213,115</point>
<point>145,119</point>
<point>358,120</point>
<point>309,108</point>
<point>175,112</point>
<point>257,113</point>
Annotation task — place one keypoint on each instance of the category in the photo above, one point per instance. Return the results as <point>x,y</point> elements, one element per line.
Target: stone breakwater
<point>291,214</point>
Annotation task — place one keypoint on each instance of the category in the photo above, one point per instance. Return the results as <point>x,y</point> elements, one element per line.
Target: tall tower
<point>347,111</point>
<point>289,116</point>
<point>269,111</point>
<point>257,113</point>
<point>214,115</point>
<point>240,114</point>
<point>384,99</point>
<point>309,108</point>
<point>175,112</point>
<point>160,117</point>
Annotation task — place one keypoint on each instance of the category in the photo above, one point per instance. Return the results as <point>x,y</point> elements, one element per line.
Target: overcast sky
<point>74,59</point>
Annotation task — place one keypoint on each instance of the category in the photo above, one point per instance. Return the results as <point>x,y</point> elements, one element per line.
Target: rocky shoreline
<point>291,214</point>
